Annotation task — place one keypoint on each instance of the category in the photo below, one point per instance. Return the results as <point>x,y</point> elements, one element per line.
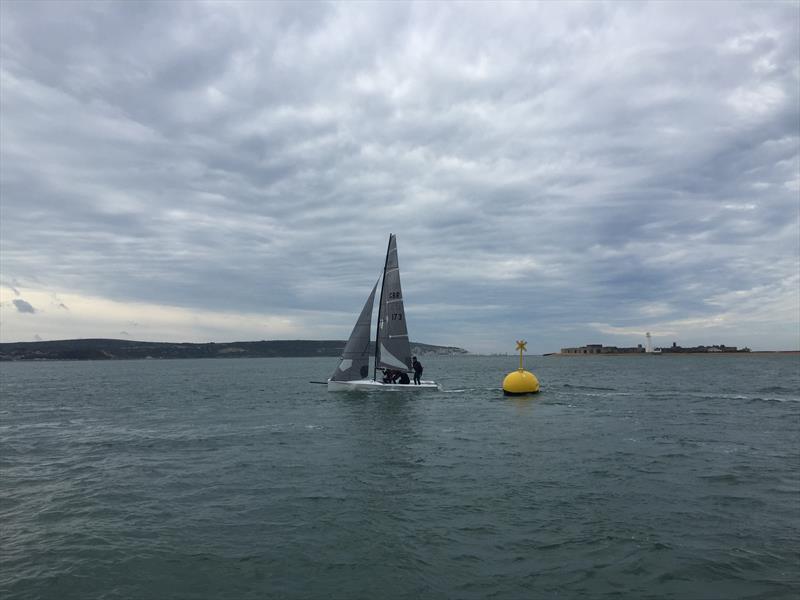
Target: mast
<point>380,310</point>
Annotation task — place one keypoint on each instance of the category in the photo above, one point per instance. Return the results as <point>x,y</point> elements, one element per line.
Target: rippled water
<point>634,477</point>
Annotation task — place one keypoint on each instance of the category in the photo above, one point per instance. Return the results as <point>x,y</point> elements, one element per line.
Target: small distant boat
<point>392,348</point>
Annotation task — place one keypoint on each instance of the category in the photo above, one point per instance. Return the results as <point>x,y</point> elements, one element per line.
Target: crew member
<point>417,370</point>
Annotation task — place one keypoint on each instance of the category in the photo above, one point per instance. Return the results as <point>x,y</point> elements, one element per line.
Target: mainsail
<point>355,357</point>
<point>393,350</point>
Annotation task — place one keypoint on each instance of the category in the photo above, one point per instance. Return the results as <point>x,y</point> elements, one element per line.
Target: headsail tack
<point>355,357</point>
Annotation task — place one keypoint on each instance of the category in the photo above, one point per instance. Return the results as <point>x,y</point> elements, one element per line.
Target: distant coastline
<point>112,349</point>
<point>738,353</point>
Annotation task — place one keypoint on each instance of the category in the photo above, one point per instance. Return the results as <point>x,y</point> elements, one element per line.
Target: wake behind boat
<point>392,348</point>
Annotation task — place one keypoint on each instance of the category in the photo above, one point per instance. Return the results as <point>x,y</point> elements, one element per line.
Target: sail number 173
<point>397,316</point>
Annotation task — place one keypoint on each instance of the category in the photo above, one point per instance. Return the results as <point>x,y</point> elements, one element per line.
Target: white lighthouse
<point>649,345</point>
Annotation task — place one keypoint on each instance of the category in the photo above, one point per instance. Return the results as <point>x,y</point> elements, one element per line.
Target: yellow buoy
<point>520,381</point>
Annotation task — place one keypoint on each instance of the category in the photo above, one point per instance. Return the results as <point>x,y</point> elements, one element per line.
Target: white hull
<point>368,385</point>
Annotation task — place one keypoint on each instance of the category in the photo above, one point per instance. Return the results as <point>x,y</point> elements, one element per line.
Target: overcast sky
<point>562,172</point>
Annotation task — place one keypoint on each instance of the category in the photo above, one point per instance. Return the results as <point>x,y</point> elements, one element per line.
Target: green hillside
<point>108,349</point>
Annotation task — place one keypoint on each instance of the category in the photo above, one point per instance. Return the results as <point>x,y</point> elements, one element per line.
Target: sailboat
<point>392,348</point>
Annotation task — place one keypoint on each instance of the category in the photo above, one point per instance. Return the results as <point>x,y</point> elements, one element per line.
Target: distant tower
<point>649,346</point>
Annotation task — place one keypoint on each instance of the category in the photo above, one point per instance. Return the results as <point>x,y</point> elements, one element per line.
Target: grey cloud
<point>254,157</point>
<point>23,306</point>
<point>58,303</point>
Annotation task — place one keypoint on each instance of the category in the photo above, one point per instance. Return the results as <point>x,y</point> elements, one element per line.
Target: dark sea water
<point>626,477</point>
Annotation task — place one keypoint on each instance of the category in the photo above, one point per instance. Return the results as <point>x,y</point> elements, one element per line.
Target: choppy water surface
<point>634,477</point>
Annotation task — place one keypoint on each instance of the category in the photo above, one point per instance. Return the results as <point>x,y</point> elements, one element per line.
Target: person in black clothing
<point>403,378</point>
<point>417,370</point>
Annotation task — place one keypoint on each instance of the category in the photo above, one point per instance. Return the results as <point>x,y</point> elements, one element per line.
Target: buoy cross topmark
<point>522,346</point>
<point>520,381</point>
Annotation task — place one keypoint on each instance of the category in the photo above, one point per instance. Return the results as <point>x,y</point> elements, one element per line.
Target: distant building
<point>675,349</point>
<point>638,349</point>
<point>600,349</point>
